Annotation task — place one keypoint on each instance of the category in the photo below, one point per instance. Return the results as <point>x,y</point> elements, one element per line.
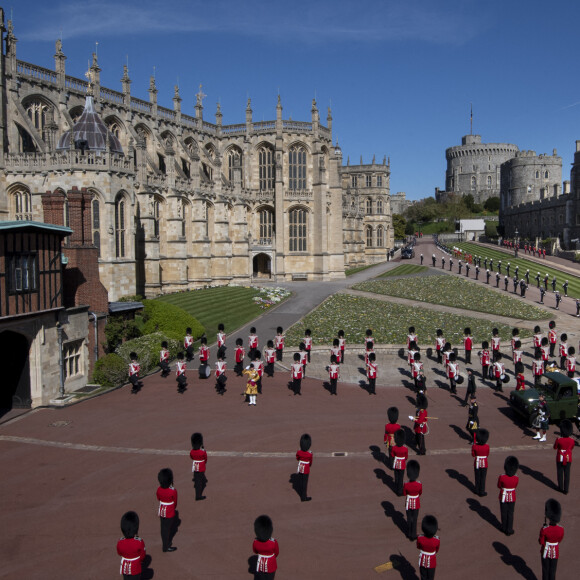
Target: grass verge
<point>404,270</point>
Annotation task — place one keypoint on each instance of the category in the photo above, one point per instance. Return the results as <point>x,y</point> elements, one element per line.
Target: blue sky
<point>400,74</point>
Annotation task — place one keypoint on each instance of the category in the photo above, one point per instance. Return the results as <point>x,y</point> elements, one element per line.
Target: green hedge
<point>110,371</point>
<point>170,320</point>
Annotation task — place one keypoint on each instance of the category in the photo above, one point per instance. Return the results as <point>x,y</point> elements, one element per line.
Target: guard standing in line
<point>477,272</point>
<point>565,287</point>
<point>537,279</point>
<point>507,483</point>
<point>554,282</point>
<point>564,446</point>
<point>487,276</point>
<point>480,454</point>
<point>523,288</point>
<point>528,277</point>
<point>551,535</point>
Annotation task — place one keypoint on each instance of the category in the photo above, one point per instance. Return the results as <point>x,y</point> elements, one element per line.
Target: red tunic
<point>180,368</point>
<point>132,552</point>
<point>553,336</point>
<point>452,370</point>
<point>517,354</point>
<point>253,341</point>
<point>421,422</point>
<point>400,455</point>
<point>468,343</point>
<point>507,487</point>
<point>439,343</point>
<point>498,369</point>
<point>296,370</point>
<point>538,367</point>
<point>564,447</point>
<point>484,358</point>
<point>240,354</point>
<point>571,364</point>
<point>220,368</point>
<point>134,369</point>
<point>550,538</point>
<point>411,356</point>
<point>259,367</point>
<point>429,548</point>
<point>199,457</point>
<point>495,342</point>
<point>480,453</point>
<point>390,430</point>
<point>371,370</point>
<point>279,341</point>
<point>221,339</point>
<point>303,358</point>
<point>267,553</point>
<point>413,490</point>
<point>335,350</point>
<point>416,368</point>
<point>563,349</point>
<point>167,497</point>
<point>520,382</point>
<point>537,340</point>
<point>333,371</point>
<point>304,459</point>
<point>545,353</point>
<point>307,340</point>
<point>188,341</point>
<point>270,354</point>
<point>203,353</point>
<point>164,355</point>
<point>411,338</point>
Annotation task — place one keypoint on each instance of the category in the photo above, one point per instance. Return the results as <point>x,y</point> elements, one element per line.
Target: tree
<point>399,224</point>
<point>492,204</point>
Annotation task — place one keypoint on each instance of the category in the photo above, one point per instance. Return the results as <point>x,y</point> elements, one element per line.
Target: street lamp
<point>516,243</point>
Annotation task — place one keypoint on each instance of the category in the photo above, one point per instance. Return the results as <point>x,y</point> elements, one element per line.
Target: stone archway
<point>262,266</point>
<point>14,361</point>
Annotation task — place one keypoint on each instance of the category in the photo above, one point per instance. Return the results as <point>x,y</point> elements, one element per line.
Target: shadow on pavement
<point>484,512</point>
<point>461,478</point>
<point>398,518</point>
<point>516,562</point>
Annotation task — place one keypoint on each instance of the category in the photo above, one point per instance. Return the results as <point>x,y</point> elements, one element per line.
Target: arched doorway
<point>15,384</point>
<point>262,266</point>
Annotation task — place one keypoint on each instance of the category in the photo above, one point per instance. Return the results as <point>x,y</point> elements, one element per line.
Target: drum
<point>204,371</point>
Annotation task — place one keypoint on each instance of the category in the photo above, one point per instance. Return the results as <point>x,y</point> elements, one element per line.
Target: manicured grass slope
<point>404,270</point>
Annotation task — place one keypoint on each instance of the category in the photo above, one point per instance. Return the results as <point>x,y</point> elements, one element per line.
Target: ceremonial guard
<point>335,350</point>
<point>543,418</point>
<point>413,350</point>
<point>485,263</point>
<point>411,337</point>
<point>484,359</point>
<point>412,491</point>
<point>467,345</point>
<point>134,368</point>
<point>203,358</point>
<point>220,374</point>
<point>565,288</point>
<point>180,377</point>
<point>537,341</point>
<point>252,343</point>
<point>447,352</point>
<point>520,379</point>
<point>199,458</point>
<point>296,372</point>
<point>563,350</point>
<point>499,373</point>
<point>515,338</point>
<point>459,266</point>
<point>131,547</point>
<point>342,344</point>
<point>368,351</point>
<point>304,458</point>
<point>487,276</point>
<point>477,272</point>
<point>527,275</point>
<point>472,418</point>
<point>538,368</point>
<point>399,456</point>
<point>545,348</point>
<point>564,446</point>
<point>537,279</point>
<point>372,369</point>
<point>433,259</point>
<point>480,454</point>
<point>259,368</point>
<point>439,344</point>
<point>551,535</point>
<point>266,548</point>
<point>443,262</point>
<point>167,496</point>
<point>542,294</point>
<point>188,345</point>
<point>507,269</point>
<point>516,271</point>
<point>471,388</point>
<point>552,337</point>
<point>421,259</point>
<point>416,369</point>
<point>240,353</point>
<point>558,299</point>
<point>369,338</point>
<point>571,362</point>
<point>452,373</point>
<point>467,270</point>
<point>554,282</point>
<point>279,343</point>
<point>333,374</point>
<point>304,356</point>
<point>497,278</point>
<point>164,360</point>
<point>251,391</point>
<point>270,354</point>
<point>499,266</point>
<point>495,344</point>
<point>507,484</point>
<point>546,278</point>
<point>307,340</point>
<point>420,421</point>
<point>515,282</point>
<point>505,283</point>
<point>391,428</point>
<point>450,263</point>
<point>221,340</point>
<point>428,544</point>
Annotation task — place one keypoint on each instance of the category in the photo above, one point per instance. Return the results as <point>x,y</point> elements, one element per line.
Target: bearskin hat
<point>165,477</point>
<point>552,324</point>
<point>279,330</point>
<point>263,528</point>
<point>369,345</point>
<point>413,469</point>
<point>393,414</point>
<point>399,438</point>
<point>572,351</point>
<point>411,329</point>
<point>203,340</point>
<point>333,358</point>
<point>495,331</point>
<point>467,331</point>
<point>305,442</point>
<point>133,356</point>
<point>452,357</point>
<point>270,344</point>
<point>485,344</point>
<point>518,344</point>
<point>553,510</point>
<point>239,342</point>
<point>221,326</point>
<point>564,337</point>
<point>307,332</point>
<point>188,330</point>
<point>482,436</point>
<point>429,525</point>
<point>296,356</point>
<point>302,346</point>
<point>447,346</point>
<point>544,341</point>
<point>253,330</point>
<point>179,356</point>
<point>537,329</point>
<point>459,379</point>
<point>369,332</point>
<point>372,357</point>
<point>341,333</point>
<point>130,524</point>
<point>164,344</point>
<point>417,356</point>
<point>197,441</point>
<point>439,332</point>
<point>566,428</point>
<point>422,401</point>
<point>515,332</point>
<point>511,465</point>
<point>335,342</point>
<point>519,367</point>
<point>257,355</point>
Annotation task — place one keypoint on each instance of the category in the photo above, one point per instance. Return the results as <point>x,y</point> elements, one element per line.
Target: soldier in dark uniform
<point>499,266</point>
<point>523,287</point>
<point>477,272</point>
<point>542,292</point>
<point>507,269</point>
<point>487,276</point>
<point>515,282</point>
<point>497,277</point>
<point>471,388</point>
<point>537,279</point>
<point>527,277</point>
<point>554,282</point>
<point>565,287</point>
<point>472,417</point>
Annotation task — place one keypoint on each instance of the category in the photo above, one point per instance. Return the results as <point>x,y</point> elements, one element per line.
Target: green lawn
<point>404,270</point>
<point>351,271</point>
<point>534,267</point>
<point>456,292</point>
<point>389,322</point>
<point>232,305</point>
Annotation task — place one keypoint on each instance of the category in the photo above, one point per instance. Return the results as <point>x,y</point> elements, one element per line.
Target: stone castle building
<point>177,202</point>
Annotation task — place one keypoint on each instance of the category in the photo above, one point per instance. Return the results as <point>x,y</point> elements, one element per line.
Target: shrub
<point>170,320</point>
<point>119,329</point>
<point>110,371</point>
<point>147,348</point>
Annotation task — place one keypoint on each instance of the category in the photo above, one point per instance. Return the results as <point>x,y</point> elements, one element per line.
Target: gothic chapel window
<point>267,169</point>
<point>37,111</point>
<point>234,160</point>
<point>120,228</point>
<point>369,206</point>
<point>297,237</point>
<point>266,222</point>
<point>380,237</point>
<point>96,223</point>
<point>369,237</point>
<point>380,205</point>
<point>297,168</point>
<point>22,207</point>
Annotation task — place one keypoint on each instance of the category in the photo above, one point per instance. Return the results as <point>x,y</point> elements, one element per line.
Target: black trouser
<point>264,575</point>
<point>166,528</point>
<point>549,566</point>
<point>420,442</point>
<point>189,353</point>
<point>480,477</point>
<point>259,385</point>
<point>134,380</point>
<point>279,352</point>
<point>181,381</point>
<point>165,370</point>
<point>238,368</point>
<point>484,371</point>
<point>399,475</point>
<point>221,383</point>
<point>552,348</point>
<point>199,483</point>
<point>296,386</point>
<point>131,576</point>
<point>427,573</point>
<point>468,357</point>
<point>302,485</point>
<point>269,369</point>
<point>563,362</point>
<point>412,516</point>
<point>342,356</point>
<point>507,516</point>
<point>452,385</point>
<point>372,383</point>
<point>563,472</point>
<point>308,353</point>
<point>494,354</point>
<point>333,383</point>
